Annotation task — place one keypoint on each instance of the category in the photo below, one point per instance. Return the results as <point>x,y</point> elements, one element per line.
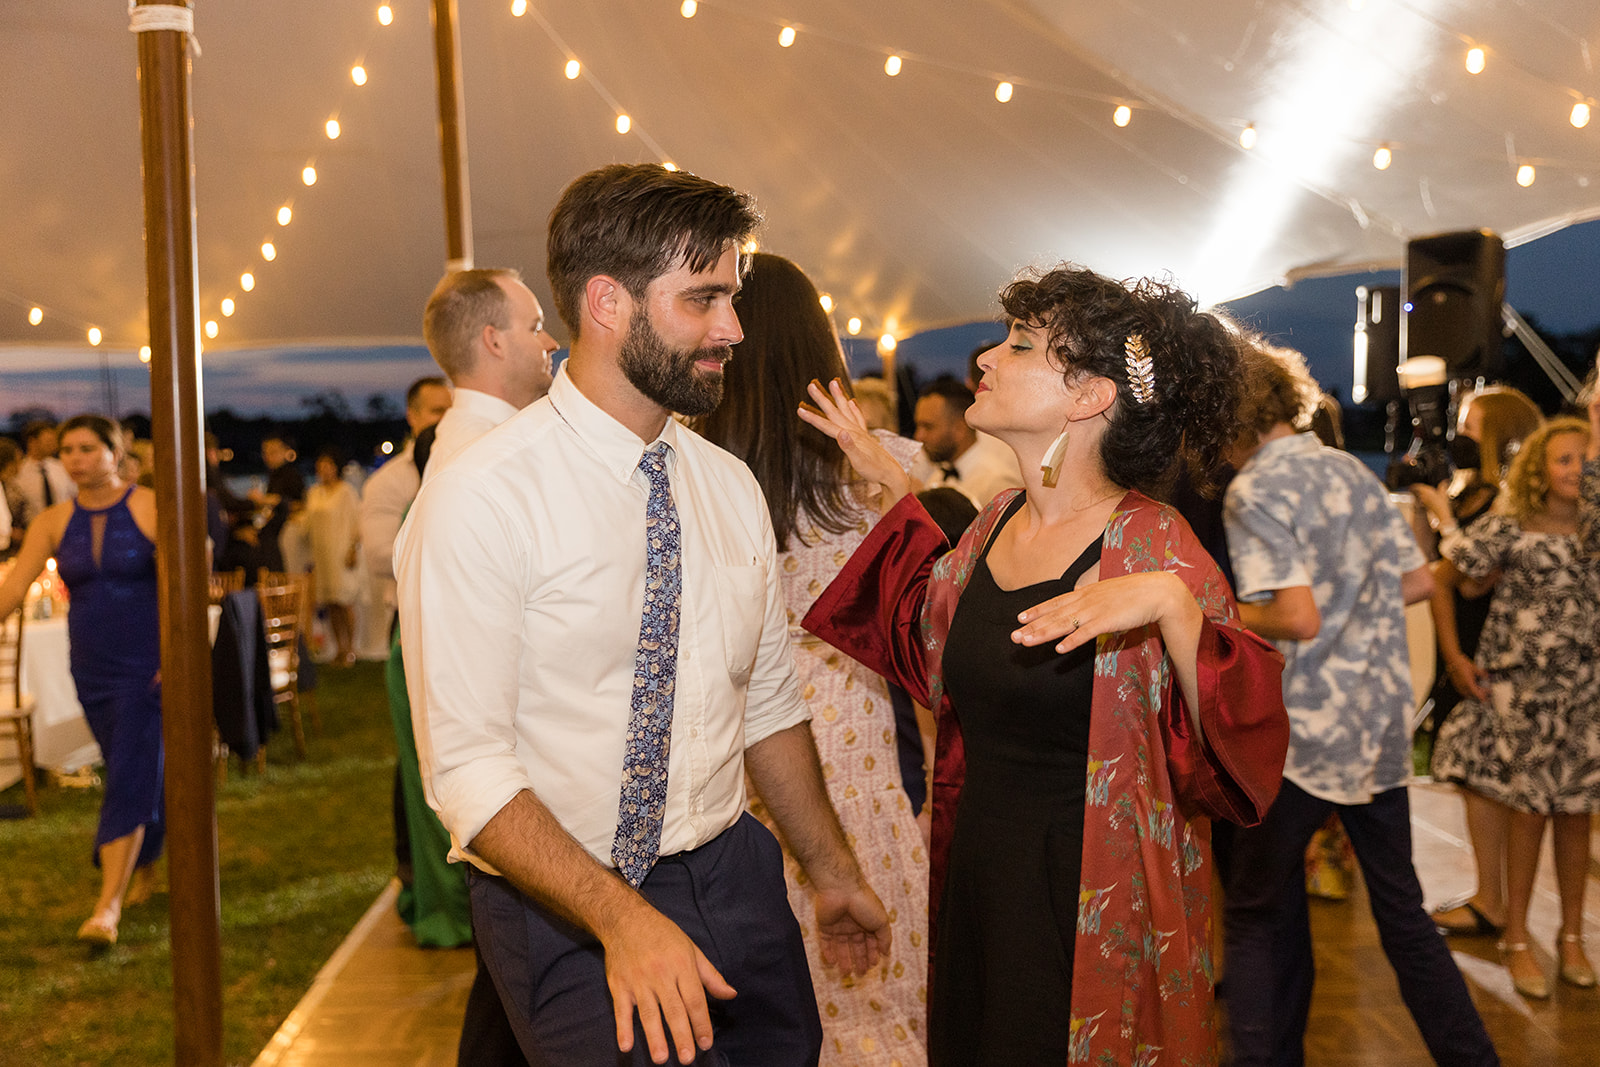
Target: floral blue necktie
<point>644,761</point>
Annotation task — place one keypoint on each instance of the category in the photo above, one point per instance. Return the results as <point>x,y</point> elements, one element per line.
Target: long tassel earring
<point>1051,467</point>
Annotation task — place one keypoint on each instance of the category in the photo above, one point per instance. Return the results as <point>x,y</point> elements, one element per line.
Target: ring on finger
<point>1074,620</point>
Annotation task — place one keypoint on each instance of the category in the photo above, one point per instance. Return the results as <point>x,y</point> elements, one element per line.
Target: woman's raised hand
<point>836,414</point>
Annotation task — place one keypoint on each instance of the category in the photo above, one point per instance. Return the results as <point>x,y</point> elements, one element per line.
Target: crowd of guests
<point>675,621</point>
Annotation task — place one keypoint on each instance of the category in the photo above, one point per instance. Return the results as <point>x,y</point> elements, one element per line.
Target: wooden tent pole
<point>452,135</point>
<point>175,416</point>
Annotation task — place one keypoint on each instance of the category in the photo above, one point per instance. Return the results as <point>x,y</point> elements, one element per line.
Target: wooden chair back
<point>285,610</point>
<point>16,707</point>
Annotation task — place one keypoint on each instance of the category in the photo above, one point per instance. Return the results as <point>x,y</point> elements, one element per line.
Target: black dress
<point>1003,968</point>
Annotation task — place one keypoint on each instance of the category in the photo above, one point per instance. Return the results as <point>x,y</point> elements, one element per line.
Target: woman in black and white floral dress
<point>1528,737</point>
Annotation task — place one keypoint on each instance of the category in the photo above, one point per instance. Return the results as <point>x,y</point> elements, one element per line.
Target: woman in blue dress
<point>103,543</point>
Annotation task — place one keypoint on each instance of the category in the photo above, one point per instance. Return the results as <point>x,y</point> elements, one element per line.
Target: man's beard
<point>668,377</point>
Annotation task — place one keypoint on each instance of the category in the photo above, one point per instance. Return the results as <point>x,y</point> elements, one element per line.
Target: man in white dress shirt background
<point>41,480</point>
<point>384,499</point>
<point>486,330</point>
<point>522,585</point>
<point>962,458</point>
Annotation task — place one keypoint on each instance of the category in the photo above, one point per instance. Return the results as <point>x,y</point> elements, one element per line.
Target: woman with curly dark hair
<point>1097,698</point>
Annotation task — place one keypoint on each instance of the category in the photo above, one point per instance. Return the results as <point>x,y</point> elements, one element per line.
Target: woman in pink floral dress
<point>819,515</point>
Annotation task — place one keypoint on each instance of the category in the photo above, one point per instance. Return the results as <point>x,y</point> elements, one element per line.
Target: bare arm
<point>1288,615</point>
<point>1464,674</point>
<point>851,921</point>
<point>651,965</point>
<point>1416,585</point>
<point>38,545</point>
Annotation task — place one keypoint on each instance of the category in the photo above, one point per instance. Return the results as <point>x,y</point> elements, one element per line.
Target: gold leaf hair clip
<point>1141,370</point>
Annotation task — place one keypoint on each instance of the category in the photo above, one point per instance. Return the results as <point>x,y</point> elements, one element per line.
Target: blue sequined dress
<point>109,567</point>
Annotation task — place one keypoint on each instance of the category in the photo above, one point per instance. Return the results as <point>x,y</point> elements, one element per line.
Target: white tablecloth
<point>61,737</point>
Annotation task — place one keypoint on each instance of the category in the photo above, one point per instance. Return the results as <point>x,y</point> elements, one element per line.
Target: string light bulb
<point>519,8</point>
<point>309,175</point>
<point>211,328</point>
<point>227,307</point>
<point>247,281</point>
<point>333,129</point>
<point>853,327</point>
<point>887,343</point>
<point>35,316</point>
<point>1122,116</point>
<point>1526,175</point>
<point>1580,115</point>
<point>574,68</point>
<point>750,247</point>
<point>624,124</point>
<point>1247,137</point>
<point>670,166</point>
<point>1382,157</point>
<point>284,215</point>
<point>94,335</point>
<point>1002,92</point>
<point>891,66</point>
<point>268,251</point>
<point>688,8</point>
<point>1475,60</point>
<point>358,74</point>
<point>826,301</point>
<point>786,37</point>
<point>144,353</point>
<point>385,14</point>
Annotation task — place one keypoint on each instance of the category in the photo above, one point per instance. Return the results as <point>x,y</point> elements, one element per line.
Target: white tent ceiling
<point>910,199</point>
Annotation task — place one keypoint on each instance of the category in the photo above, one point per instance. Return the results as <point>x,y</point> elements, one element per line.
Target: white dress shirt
<point>472,414</point>
<point>384,499</point>
<point>30,483</point>
<point>985,469</point>
<point>521,570</point>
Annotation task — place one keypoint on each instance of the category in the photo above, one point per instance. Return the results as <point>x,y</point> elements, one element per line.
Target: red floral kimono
<point>1143,974</point>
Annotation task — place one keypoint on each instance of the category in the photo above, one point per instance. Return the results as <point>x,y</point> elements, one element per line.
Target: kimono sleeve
<point>872,610</point>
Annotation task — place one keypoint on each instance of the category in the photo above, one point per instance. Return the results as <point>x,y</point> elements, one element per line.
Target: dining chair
<point>225,582</point>
<point>16,707</point>
<point>285,606</point>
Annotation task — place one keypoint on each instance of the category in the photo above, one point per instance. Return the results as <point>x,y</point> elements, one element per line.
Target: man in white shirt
<point>961,457</point>
<point>41,480</point>
<point>486,330</point>
<point>539,667</point>
<point>384,499</point>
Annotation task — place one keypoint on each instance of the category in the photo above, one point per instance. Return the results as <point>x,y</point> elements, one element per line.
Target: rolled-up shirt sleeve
<point>463,572</point>
<point>773,700</point>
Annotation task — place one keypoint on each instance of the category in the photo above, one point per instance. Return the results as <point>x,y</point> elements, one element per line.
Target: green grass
<point>302,853</point>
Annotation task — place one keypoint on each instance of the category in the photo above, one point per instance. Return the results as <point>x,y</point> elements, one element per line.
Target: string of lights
<point>1479,60</point>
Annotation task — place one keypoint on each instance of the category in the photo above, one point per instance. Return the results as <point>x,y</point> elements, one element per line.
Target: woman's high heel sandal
<point>1534,986</point>
<point>1577,974</point>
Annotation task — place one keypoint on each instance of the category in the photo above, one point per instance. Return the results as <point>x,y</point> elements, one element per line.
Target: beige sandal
<point>1533,986</point>
<point>1580,974</point>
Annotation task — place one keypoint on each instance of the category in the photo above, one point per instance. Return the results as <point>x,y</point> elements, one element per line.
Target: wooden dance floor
<point>381,1000</point>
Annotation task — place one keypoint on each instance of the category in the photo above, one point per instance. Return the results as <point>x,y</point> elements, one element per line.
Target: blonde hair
<point>1508,416</point>
<point>1528,484</point>
<point>877,407</point>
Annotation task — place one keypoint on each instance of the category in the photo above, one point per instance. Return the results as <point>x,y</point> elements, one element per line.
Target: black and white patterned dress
<point>1534,745</point>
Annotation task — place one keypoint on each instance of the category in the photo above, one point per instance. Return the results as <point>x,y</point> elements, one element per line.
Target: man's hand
<point>852,929</point>
<point>1468,678</point>
<point>653,967</point>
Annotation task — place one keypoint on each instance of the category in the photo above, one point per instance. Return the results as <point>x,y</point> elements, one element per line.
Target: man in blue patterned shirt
<point>1324,566</point>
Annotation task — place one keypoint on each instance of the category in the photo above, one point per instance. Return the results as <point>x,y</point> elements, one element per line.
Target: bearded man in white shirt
<point>568,579</point>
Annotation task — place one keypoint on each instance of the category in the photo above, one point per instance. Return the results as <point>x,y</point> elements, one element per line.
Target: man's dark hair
<point>952,389</point>
<point>419,385</point>
<point>635,223</point>
<point>35,428</point>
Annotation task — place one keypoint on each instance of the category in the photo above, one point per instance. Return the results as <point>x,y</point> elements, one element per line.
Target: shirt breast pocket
<point>741,594</point>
